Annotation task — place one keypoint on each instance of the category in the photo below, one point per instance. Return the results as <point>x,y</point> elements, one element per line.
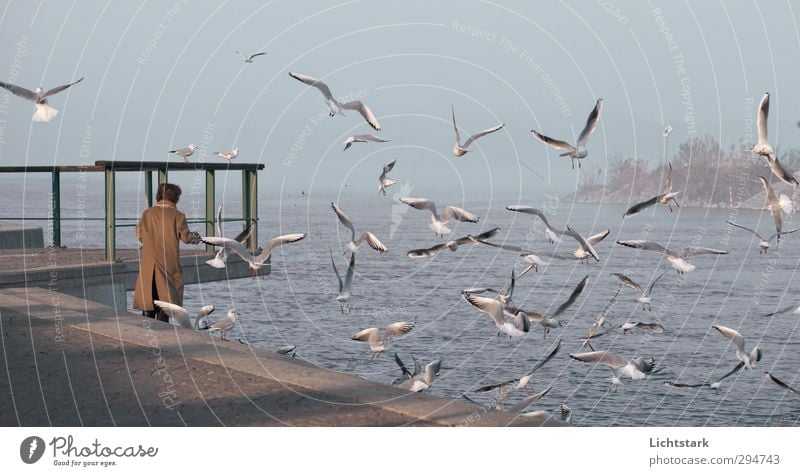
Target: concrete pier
<point>68,362</point>
<point>83,273</point>
<point>16,235</point>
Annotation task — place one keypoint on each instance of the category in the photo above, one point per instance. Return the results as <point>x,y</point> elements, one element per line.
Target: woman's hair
<point>168,191</point>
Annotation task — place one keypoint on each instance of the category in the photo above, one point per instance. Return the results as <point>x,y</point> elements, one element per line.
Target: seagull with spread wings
<point>220,259</point>
<point>367,236</point>
<point>344,287</point>
<point>385,182</point>
<point>452,245</point>
<point>644,293</point>
<point>635,369</point>
<point>775,208</point>
<point>335,106</point>
<point>747,358</point>
<point>459,149</point>
<point>551,233</point>
<point>715,384</point>
<point>249,59</point>
<point>675,258</point>
<point>513,324</point>
<point>439,221</point>
<point>764,149</point>
<point>763,243</point>
<point>377,344</point>
<point>420,381</point>
<point>578,151</point>
<point>255,262</point>
<point>666,198</point>
<point>552,321</point>
<point>43,113</point>
<point>363,138</point>
<point>181,316</point>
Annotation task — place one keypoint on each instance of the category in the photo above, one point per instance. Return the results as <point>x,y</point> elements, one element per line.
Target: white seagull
<point>635,369</point>
<point>255,262</point>
<point>385,182</point>
<point>422,381</point>
<point>775,208</point>
<point>367,236</point>
<point>793,309</point>
<point>344,287</point>
<point>524,381</point>
<point>229,156</point>
<point>377,344</point>
<point>666,198</point>
<point>578,151</point>
<point>552,321</point>
<point>458,149</point>
<point>585,248</point>
<point>335,106</point>
<point>223,325</point>
<point>361,138</point>
<point>184,152</point>
<point>654,327</point>
<point>220,259</point>
<point>511,324</point>
<point>644,294</point>
<point>764,149</point>
<point>181,315</point>
<point>747,358</point>
<point>550,232</point>
<point>675,258</point>
<point>714,384</point>
<point>249,59</point>
<point>453,245</point>
<point>763,244</point>
<point>438,222</point>
<point>44,113</point>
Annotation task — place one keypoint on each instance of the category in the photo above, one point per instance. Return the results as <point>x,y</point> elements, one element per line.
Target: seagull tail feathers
<point>44,113</point>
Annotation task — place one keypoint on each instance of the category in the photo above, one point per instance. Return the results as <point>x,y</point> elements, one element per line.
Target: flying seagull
<point>586,248</point>
<point>184,152</point>
<point>748,359</point>
<point>764,149</point>
<point>384,181</point>
<point>223,325</point>
<point>600,321</point>
<point>44,113</point>
<point>550,232</point>
<point>438,222</point>
<point>229,156</point>
<point>181,315</point>
<point>551,321</point>
<point>774,207</point>
<point>794,309</point>
<point>377,344</point>
<point>781,384</point>
<point>367,236</point>
<point>666,197</point>
<point>344,287</point>
<point>763,244</point>
<point>249,59</point>
<point>511,324</point>
<point>653,327</point>
<point>714,384</point>
<point>675,258</point>
<point>335,106</point>
<point>504,296</point>
<point>644,294</point>
<point>532,259</point>
<point>452,245</point>
<point>255,262</point>
<point>578,151</point>
<point>361,138</point>
<point>418,382</point>
<point>523,381</point>
<point>636,369</point>
<point>220,259</point>
<point>460,150</point>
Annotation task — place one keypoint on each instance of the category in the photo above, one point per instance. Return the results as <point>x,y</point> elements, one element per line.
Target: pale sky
<point>160,75</point>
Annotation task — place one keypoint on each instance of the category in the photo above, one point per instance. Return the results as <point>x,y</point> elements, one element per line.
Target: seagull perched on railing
<point>44,113</point>
<point>229,156</point>
<point>184,152</point>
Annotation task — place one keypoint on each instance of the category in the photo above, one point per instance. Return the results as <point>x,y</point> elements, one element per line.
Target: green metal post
<point>110,216</point>
<point>250,206</point>
<point>56,207</point>
<point>148,186</point>
<point>210,203</point>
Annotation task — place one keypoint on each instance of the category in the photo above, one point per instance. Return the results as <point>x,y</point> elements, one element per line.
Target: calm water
<point>295,304</point>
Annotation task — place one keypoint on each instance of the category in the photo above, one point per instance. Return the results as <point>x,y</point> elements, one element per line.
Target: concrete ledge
<point>15,235</point>
<point>67,361</point>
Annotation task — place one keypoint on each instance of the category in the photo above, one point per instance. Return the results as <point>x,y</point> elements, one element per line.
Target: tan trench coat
<point>159,230</point>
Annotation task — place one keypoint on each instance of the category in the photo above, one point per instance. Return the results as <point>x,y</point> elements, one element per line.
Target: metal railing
<point>110,169</point>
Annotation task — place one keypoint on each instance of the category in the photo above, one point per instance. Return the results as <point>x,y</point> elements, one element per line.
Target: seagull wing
<point>245,234</point>
<point>58,89</point>
<point>731,372</point>
<point>628,282</point>
<point>774,204</point>
<point>597,238</point>
<point>640,207</point>
<point>455,127</point>
<point>420,204</point>
<point>311,81</point>
<point>490,306</point>
<point>242,55</point>
<point>231,246</point>
<point>176,312</point>
<point>255,55</point>
<point>699,250</point>
<point>20,91</point>
<point>351,269</point>
<point>426,252</point>
<point>591,123</point>
<point>530,211</point>
<point>732,335</point>
<point>743,228</point>
<point>650,288</point>
<point>344,220</point>
<point>398,329</point>
<point>504,246</point>
<point>372,241</point>
<point>780,383</point>
<point>792,308</point>
<point>546,359</point>
<point>601,357</point>
<point>388,167</point>
<point>367,335</point>
<point>780,172</point>
<point>218,224</point>
<point>482,133</point>
<point>431,370</point>
<point>365,112</point>
<point>402,366</point>
<point>276,242</point>
<point>526,402</point>
<point>459,213</point>
<point>644,245</point>
<point>582,241</point>
<point>558,144</point>
<point>785,232</point>
<point>338,277</point>
<point>472,239</point>
<point>572,297</point>
<point>668,186</point>
<point>761,118</point>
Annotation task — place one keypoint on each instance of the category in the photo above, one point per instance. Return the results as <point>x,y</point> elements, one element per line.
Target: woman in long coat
<point>160,275</point>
